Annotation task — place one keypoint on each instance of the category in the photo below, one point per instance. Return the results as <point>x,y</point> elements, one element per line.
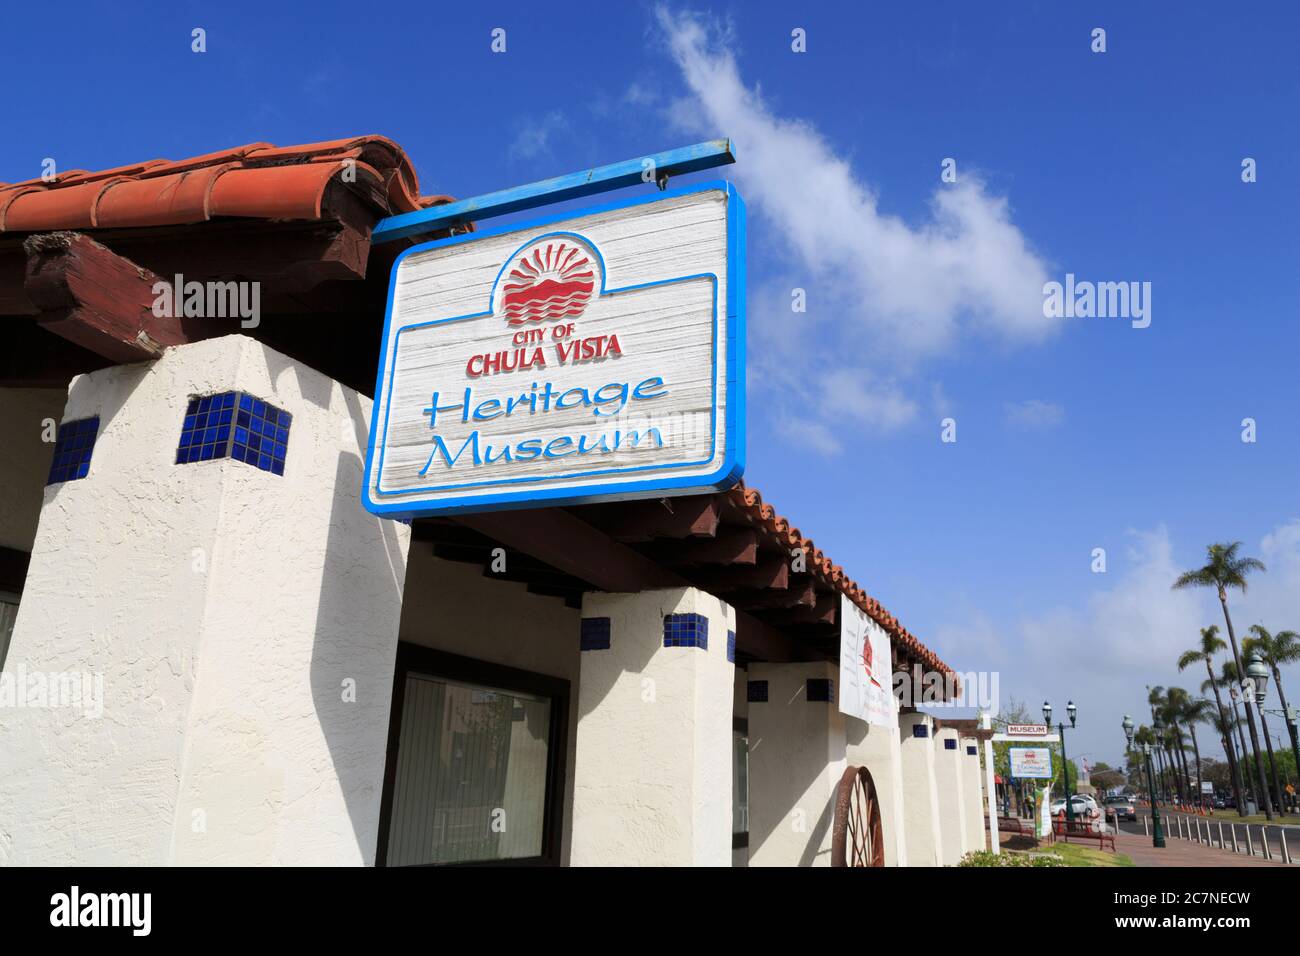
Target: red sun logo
<point>554,280</point>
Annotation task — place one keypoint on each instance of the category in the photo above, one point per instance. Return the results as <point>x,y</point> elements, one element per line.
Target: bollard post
<point>1146,822</point>
<point>1250,846</point>
<point>1221,844</point>
<point>1286,854</point>
<point>1263,838</point>
<point>1234,838</point>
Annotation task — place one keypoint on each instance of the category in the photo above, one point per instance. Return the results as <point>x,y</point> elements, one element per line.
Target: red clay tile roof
<point>258,180</point>
<point>751,502</point>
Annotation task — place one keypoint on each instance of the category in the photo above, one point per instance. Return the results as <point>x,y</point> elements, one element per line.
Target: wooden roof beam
<point>567,543</point>
<point>801,592</point>
<point>825,610</point>
<point>91,296</point>
<point>731,546</point>
<point>684,517</point>
<point>771,573</point>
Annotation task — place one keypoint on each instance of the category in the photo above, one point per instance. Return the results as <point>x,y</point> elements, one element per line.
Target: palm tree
<point>1210,645</point>
<point>1156,700</point>
<point>1277,649</point>
<point>1226,570</point>
<point>1176,701</point>
<point>1197,710</point>
<point>1225,726</point>
<point>1228,678</point>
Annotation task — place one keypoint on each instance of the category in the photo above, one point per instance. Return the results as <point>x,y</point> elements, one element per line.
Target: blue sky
<point>1072,434</point>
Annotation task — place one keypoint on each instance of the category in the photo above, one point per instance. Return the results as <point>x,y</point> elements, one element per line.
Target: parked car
<point>1081,804</point>
<point>1121,808</point>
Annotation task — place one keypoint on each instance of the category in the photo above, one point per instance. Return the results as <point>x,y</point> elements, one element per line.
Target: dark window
<point>475,763</point>
<point>686,630</point>
<point>8,615</point>
<point>950,744</point>
<point>13,574</point>
<point>821,689</point>
<point>595,634</point>
<point>235,425</point>
<point>756,691</point>
<point>72,449</point>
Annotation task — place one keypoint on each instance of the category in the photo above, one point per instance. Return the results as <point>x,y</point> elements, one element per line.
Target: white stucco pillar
<point>920,790</point>
<point>972,793</point>
<point>878,749</point>
<point>796,759</point>
<point>990,789</point>
<point>240,624</point>
<point>952,802</point>
<point>652,774</point>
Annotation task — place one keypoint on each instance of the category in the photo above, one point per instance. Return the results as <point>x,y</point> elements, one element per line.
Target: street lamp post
<point>1292,730</point>
<point>1157,834</point>
<point>1258,672</point>
<point>1065,764</point>
<point>1158,727</point>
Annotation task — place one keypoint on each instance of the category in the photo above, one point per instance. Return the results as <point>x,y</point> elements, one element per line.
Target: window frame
<point>740,728</point>
<point>415,658</point>
<point>13,576</point>
<point>13,570</point>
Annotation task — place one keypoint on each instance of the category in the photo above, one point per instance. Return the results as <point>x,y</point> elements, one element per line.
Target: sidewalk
<point>1138,848</point>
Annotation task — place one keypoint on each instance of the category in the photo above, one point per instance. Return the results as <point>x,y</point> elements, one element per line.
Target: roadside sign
<point>1034,763</point>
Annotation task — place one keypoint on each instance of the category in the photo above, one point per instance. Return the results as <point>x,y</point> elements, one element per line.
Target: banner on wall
<point>866,672</point>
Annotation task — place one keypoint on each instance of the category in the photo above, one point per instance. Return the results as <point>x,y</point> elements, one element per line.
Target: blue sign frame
<point>733,463</point>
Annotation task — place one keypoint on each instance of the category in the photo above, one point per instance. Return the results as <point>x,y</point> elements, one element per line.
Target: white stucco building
<point>213,654</point>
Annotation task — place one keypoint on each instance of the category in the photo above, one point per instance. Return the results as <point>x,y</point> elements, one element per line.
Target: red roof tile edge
<point>751,502</point>
<point>257,180</point>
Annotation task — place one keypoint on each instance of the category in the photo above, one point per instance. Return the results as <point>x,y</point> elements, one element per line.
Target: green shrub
<point>987,858</point>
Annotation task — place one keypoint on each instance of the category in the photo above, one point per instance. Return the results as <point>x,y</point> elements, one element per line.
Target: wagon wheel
<point>856,835</point>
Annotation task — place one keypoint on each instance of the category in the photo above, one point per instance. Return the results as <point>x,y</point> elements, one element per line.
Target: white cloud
<point>1033,414</point>
<point>808,433</point>
<point>967,262</point>
<point>898,292</point>
<point>534,136</point>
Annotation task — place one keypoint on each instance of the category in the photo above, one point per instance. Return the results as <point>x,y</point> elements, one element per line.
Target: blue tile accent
<point>686,630</point>
<point>731,646</point>
<point>235,425</point>
<point>73,446</point>
<point>821,689</point>
<point>920,730</point>
<point>949,744</point>
<point>970,752</point>
<point>595,634</point>
<point>756,691</point>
